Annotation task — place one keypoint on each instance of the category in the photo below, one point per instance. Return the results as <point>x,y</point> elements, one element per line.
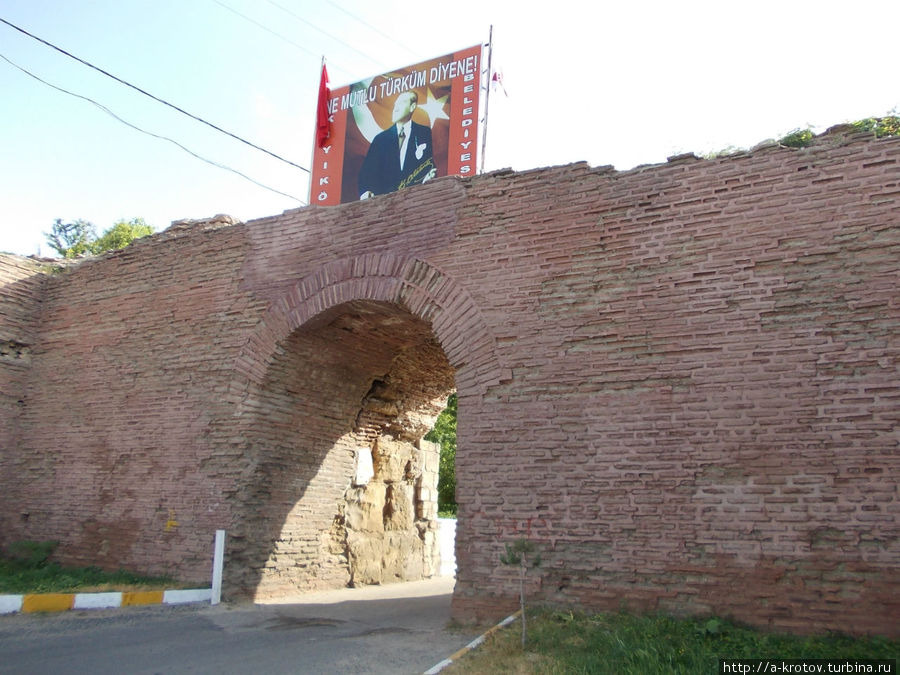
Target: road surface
<point>399,628</point>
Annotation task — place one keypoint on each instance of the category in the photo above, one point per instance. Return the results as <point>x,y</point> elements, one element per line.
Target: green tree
<point>80,237</point>
<point>444,433</point>
<point>71,239</point>
<point>121,234</point>
<point>522,554</point>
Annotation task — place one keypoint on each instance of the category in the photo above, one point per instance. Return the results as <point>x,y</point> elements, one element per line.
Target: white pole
<point>218,562</point>
<point>487,97</point>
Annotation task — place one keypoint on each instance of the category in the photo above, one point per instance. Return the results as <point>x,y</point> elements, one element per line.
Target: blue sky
<point>621,83</point>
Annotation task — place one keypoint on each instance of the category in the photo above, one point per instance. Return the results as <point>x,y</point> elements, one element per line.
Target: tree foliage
<point>879,126</point>
<point>444,433</point>
<point>889,125</point>
<point>799,138</point>
<point>121,234</point>
<point>71,239</point>
<point>79,237</point>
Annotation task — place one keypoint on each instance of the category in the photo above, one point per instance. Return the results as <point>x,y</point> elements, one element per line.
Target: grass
<point>570,643</point>
<point>26,569</point>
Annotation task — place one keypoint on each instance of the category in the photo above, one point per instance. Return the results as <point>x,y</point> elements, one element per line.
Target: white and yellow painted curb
<point>438,667</point>
<point>60,602</point>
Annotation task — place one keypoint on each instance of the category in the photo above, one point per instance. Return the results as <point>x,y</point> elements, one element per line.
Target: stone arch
<point>417,286</point>
<point>423,317</point>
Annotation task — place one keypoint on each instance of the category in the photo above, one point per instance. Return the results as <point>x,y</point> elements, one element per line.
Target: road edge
<point>61,602</point>
<point>456,656</point>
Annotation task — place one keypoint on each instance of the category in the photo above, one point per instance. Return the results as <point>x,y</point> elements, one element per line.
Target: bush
<point>798,138</point>
<point>880,126</point>
<point>31,554</point>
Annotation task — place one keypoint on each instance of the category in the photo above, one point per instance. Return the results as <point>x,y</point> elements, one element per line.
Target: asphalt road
<point>401,628</point>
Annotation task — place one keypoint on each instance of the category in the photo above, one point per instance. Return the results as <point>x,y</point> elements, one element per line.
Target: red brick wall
<point>125,378</point>
<point>21,285</point>
<point>681,382</point>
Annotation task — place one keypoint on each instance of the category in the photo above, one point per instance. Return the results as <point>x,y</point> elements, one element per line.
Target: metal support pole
<point>487,97</point>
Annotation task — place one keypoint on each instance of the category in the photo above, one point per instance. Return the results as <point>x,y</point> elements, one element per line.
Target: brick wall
<point>680,381</point>
<point>21,284</point>
<point>705,387</point>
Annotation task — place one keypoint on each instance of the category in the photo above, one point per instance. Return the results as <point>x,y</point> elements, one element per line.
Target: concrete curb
<point>456,656</point>
<point>61,602</point>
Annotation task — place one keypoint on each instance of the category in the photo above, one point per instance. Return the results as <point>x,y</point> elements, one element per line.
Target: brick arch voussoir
<point>417,286</point>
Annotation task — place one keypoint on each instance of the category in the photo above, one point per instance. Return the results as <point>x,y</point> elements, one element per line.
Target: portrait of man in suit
<point>399,156</point>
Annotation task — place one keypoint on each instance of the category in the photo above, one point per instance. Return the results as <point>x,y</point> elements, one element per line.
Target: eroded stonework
<point>388,523</point>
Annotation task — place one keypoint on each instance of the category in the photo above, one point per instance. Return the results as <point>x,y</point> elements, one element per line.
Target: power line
<point>149,133</point>
<point>287,10</point>
<point>265,28</point>
<point>325,33</point>
<point>366,23</point>
<point>155,98</point>
<point>287,39</point>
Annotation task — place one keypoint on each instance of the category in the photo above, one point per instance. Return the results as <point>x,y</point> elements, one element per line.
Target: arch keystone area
<point>416,286</point>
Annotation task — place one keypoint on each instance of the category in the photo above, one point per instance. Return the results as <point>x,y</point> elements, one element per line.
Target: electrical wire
<point>366,23</point>
<point>150,133</point>
<point>325,33</point>
<point>334,65</point>
<point>155,98</point>
<point>265,28</point>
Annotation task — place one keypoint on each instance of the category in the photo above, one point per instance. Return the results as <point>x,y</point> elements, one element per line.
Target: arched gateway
<point>680,382</point>
<point>349,366</point>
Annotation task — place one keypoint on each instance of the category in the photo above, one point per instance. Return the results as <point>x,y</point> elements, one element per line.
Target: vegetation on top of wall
<point>888,125</point>
<point>79,237</point>
<point>799,138</point>
<point>880,126</point>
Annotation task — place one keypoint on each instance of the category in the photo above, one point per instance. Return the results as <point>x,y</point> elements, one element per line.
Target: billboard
<point>398,129</point>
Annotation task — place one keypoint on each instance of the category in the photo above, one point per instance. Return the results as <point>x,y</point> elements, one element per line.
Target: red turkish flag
<point>323,128</point>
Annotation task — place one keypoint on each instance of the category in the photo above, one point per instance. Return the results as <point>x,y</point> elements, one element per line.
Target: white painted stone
<point>10,604</point>
<point>97,600</point>
<point>177,597</point>
<point>365,470</point>
<point>447,537</point>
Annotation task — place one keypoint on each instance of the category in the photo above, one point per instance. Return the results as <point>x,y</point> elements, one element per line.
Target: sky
<point>610,83</point>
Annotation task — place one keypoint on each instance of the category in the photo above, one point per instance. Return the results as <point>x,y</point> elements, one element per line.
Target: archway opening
<point>444,435</point>
<point>341,487</point>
